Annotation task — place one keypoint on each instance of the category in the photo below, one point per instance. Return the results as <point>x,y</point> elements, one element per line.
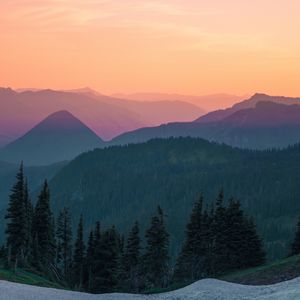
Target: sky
<point>170,46</point>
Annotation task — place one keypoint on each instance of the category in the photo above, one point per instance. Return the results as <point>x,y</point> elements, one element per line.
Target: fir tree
<point>79,257</point>
<point>236,236</point>
<point>189,264</point>
<point>43,230</point>
<point>131,261</point>
<point>90,255</point>
<point>16,229</point>
<point>156,259</point>
<point>220,254</point>
<point>64,242</point>
<point>106,260</point>
<point>28,224</point>
<point>254,253</point>
<point>296,243</point>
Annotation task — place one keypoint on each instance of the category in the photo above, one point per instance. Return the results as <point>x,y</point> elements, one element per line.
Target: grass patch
<point>275,272</point>
<point>25,277</point>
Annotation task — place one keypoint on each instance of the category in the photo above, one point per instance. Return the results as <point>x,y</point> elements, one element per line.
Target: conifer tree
<point>131,261</point>
<point>296,242</point>
<point>235,234</point>
<point>106,260</point>
<point>90,255</point>
<point>189,264</point>
<point>43,230</point>
<point>220,262</point>
<point>79,257</point>
<point>156,259</point>
<point>28,223</point>
<point>254,252</point>
<point>16,229</point>
<point>64,242</point>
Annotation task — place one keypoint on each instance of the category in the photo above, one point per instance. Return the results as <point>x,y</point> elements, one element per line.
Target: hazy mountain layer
<point>59,137</point>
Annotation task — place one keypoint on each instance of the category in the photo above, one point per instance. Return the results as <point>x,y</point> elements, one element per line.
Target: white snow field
<point>207,289</point>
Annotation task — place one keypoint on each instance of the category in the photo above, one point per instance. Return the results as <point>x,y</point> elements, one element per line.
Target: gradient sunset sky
<point>191,47</point>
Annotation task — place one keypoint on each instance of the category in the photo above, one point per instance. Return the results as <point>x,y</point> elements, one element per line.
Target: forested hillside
<point>121,184</point>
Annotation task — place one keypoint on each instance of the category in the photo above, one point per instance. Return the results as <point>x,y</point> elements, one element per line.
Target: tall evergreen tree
<point>28,223</point>
<point>156,259</point>
<point>190,262</point>
<point>106,260</point>
<point>254,253</point>
<point>79,257</point>
<point>235,235</point>
<point>131,261</point>
<point>64,243</point>
<point>16,229</point>
<point>220,262</point>
<point>43,230</point>
<point>90,255</point>
<point>296,242</point>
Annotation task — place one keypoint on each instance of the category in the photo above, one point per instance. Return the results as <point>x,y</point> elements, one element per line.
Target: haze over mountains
<point>106,116</point>
<point>207,102</point>
<point>257,123</point>
<point>59,137</point>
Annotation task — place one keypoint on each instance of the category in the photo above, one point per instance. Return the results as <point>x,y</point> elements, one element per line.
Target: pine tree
<point>43,230</point>
<point>254,253</point>
<point>16,229</point>
<point>106,260</point>
<point>79,257</point>
<point>64,242</point>
<point>156,259</point>
<point>296,243</point>
<point>235,233</point>
<point>28,223</point>
<point>88,269</point>
<point>190,263</point>
<point>220,254</point>
<point>131,261</point>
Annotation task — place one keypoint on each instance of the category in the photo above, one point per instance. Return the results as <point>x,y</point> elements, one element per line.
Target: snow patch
<point>207,289</point>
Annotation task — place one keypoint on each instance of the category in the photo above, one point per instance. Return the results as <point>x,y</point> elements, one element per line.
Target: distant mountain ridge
<point>221,114</point>
<point>106,116</point>
<point>265,124</point>
<point>57,138</point>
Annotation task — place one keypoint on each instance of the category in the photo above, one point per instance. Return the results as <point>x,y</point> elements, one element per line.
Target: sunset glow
<point>180,46</point>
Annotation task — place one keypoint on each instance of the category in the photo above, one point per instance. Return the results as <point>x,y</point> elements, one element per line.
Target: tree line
<point>218,239</point>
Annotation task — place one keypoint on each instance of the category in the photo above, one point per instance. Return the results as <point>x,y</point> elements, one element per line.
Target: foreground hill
<point>207,289</point>
<point>266,125</point>
<point>121,184</point>
<point>59,137</point>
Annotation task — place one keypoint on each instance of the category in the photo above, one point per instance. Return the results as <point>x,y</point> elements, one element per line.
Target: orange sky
<point>180,46</point>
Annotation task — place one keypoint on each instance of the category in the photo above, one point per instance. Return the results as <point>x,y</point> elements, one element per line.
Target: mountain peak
<point>62,119</point>
<point>61,136</point>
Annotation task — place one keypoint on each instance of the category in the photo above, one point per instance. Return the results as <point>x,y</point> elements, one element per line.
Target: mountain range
<point>207,102</point>
<point>260,122</point>
<point>106,116</point>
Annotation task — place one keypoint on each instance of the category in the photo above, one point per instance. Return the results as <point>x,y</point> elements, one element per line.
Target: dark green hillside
<point>120,184</point>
